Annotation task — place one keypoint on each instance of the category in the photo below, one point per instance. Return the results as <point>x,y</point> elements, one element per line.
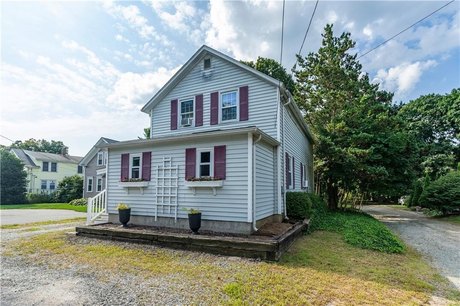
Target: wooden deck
<point>260,245</point>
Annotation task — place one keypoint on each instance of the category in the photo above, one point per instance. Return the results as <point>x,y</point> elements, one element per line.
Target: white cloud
<point>367,31</point>
<point>404,77</point>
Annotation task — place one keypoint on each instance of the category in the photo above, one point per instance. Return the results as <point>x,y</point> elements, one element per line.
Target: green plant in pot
<point>194,219</point>
<point>124,213</point>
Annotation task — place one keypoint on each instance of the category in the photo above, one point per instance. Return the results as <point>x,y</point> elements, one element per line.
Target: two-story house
<point>46,170</point>
<point>225,139</point>
<point>94,165</point>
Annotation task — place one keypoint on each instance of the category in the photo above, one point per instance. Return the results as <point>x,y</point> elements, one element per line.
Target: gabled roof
<point>188,66</point>
<point>26,156</point>
<point>26,160</point>
<point>102,141</point>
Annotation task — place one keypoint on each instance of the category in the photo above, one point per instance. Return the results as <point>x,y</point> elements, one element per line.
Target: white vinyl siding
<point>265,175</point>
<point>225,76</point>
<point>230,202</point>
<point>296,145</point>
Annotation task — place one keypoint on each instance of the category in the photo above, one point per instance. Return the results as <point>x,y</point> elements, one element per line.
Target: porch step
<point>104,218</point>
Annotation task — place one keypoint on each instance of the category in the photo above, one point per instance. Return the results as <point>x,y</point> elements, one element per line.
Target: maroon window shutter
<point>174,114</point>
<point>288,176</point>
<point>220,160</point>
<point>214,108</point>
<point>124,167</point>
<point>301,175</point>
<point>199,110</point>
<point>190,163</point>
<point>146,165</point>
<point>244,105</point>
<point>293,173</point>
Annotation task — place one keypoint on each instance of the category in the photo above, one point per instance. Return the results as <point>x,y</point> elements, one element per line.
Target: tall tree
<point>361,148</point>
<point>435,122</point>
<point>12,179</point>
<point>42,145</point>
<point>274,69</point>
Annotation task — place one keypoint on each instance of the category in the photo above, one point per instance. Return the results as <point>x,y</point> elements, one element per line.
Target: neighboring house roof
<point>197,57</point>
<point>26,160</point>
<point>27,155</point>
<point>201,134</point>
<point>102,141</point>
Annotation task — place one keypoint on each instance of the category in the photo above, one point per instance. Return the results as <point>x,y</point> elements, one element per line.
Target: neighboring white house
<point>215,118</point>
<point>46,170</point>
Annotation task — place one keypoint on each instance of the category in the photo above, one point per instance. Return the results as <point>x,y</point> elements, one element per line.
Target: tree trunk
<point>332,196</point>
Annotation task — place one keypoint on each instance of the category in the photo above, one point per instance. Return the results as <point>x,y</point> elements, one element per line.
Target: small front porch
<point>269,243</point>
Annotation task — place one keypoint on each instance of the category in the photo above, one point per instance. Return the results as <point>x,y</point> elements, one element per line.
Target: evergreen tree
<point>12,179</point>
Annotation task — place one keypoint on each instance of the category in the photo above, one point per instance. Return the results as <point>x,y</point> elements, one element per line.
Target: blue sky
<point>75,71</point>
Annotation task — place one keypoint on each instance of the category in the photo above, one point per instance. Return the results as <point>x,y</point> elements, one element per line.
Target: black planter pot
<point>124,216</point>
<point>194,221</point>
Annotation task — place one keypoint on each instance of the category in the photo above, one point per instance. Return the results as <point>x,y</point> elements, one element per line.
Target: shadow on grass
<point>327,252</point>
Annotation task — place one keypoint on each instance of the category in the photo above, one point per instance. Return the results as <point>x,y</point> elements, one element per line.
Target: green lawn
<point>45,206</point>
<point>450,219</point>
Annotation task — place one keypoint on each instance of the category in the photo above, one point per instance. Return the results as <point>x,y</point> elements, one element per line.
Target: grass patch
<point>319,269</point>
<point>35,224</point>
<point>45,206</point>
<point>358,229</point>
<point>450,219</point>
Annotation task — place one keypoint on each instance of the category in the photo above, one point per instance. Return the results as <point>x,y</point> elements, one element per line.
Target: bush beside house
<point>298,205</point>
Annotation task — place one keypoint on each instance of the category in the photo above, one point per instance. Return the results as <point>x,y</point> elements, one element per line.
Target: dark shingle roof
<point>27,161</point>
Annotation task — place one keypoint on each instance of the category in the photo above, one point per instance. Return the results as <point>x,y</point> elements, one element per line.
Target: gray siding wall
<point>266,177</point>
<point>263,99</point>
<point>90,171</point>
<point>230,203</point>
<point>298,145</point>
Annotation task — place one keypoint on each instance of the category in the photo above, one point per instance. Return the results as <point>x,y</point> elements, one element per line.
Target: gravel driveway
<point>438,241</point>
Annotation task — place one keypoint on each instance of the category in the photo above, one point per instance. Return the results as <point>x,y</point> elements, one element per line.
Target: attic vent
<point>207,64</point>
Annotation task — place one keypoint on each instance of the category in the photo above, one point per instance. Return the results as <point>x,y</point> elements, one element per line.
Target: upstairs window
<point>204,164</point>
<point>100,158</point>
<point>186,112</point>
<point>229,106</point>
<point>79,169</point>
<point>135,166</point>
<point>53,167</point>
<point>45,167</point>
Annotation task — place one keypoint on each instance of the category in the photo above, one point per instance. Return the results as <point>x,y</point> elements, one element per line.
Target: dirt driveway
<point>22,216</point>
<point>438,241</point>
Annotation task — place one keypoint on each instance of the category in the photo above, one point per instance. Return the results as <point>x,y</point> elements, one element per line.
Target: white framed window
<point>52,185</point>
<point>89,184</point>
<point>100,159</point>
<point>43,185</point>
<point>45,167</point>
<point>205,163</point>
<point>53,167</point>
<point>135,166</point>
<point>80,169</point>
<point>228,106</point>
<point>99,184</point>
<point>187,112</point>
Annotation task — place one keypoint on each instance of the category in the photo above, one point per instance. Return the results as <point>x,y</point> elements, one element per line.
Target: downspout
<point>254,175</point>
<point>284,156</point>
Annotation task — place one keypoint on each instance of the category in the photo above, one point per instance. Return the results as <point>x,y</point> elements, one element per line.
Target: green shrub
<point>298,205</point>
<point>79,202</point>
<point>443,194</point>
<point>33,198</point>
<point>70,188</point>
<point>319,212</point>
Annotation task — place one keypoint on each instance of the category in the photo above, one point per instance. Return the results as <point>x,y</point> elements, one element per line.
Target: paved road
<point>437,240</point>
<point>22,216</point>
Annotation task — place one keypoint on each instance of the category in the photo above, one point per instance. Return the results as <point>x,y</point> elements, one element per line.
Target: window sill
<point>204,184</point>
<point>141,185</point>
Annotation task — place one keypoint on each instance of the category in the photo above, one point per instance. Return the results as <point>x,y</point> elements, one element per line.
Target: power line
<point>6,138</point>
<point>427,16</point>
<point>282,34</point>
<point>308,28</point>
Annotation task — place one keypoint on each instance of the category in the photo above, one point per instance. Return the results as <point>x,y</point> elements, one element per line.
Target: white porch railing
<point>97,206</point>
